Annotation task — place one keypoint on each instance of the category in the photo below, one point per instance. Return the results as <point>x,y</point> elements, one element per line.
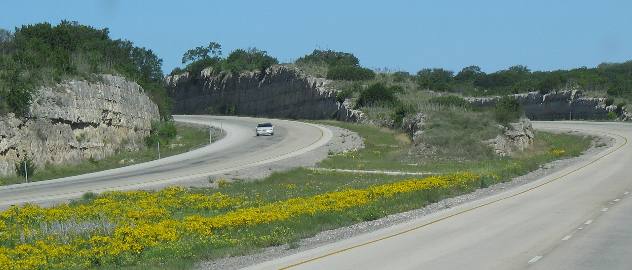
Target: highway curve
<point>240,149</point>
<point>576,218</point>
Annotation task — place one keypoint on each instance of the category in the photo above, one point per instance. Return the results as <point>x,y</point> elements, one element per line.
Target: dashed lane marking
<point>534,259</point>
<point>605,209</point>
<point>339,251</point>
<point>588,222</point>
<point>567,237</point>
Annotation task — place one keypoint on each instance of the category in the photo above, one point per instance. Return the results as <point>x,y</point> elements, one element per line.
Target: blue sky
<point>396,34</point>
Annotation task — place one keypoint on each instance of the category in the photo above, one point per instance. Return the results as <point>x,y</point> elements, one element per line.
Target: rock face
<point>555,105</point>
<point>515,137</point>
<point>75,121</point>
<point>279,91</point>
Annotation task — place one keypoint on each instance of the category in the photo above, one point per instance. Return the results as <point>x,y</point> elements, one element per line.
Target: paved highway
<point>577,218</point>
<point>240,149</point>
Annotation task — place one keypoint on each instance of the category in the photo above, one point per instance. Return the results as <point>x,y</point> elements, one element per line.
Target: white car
<point>265,129</point>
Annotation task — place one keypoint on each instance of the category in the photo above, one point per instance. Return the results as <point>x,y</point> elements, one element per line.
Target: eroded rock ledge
<point>77,120</point>
<point>568,104</point>
<point>279,91</point>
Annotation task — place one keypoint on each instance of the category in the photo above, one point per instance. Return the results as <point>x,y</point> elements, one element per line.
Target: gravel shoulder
<point>600,144</point>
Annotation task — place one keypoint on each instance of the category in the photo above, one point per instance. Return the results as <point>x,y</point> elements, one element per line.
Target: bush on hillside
<point>401,76</point>
<point>377,94</point>
<point>162,132</point>
<point>507,110</point>
<point>329,58</point>
<point>41,54</point>
<point>24,167</point>
<point>237,61</point>
<point>450,101</point>
<point>350,73</point>
<point>437,79</point>
<point>252,59</point>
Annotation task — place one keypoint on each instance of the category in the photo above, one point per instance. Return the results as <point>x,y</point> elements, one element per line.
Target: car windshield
<point>265,125</point>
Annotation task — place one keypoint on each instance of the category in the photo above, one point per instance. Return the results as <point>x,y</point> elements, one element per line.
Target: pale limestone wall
<point>77,120</point>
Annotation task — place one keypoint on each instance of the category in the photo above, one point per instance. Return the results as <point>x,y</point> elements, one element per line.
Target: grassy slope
<point>385,149</point>
<point>190,137</point>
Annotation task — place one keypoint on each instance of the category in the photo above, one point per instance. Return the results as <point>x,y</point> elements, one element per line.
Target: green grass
<point>385,149</point>
<point>188,138</point>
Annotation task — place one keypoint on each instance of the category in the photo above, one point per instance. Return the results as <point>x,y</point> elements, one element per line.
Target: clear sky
<point>396,34</point>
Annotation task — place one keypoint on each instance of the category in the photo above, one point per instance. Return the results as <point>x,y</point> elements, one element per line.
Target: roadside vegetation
<point>174,139</point>
<point>210,56</point>
<point>45,54</point>
<point>175,228</point>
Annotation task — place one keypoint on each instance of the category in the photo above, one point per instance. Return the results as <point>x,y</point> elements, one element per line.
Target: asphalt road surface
<point>239,149</point>
<point>577,218</point>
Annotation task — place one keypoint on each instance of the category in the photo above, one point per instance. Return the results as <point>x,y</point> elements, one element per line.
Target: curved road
<point>239,149</point>
<point>577,218</point>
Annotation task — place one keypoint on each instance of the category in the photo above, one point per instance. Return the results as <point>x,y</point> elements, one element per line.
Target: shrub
<point>42,54</point>
<point>620,108</point>
<point>162,132</point>
<point>609,101</point>
<point>435,79</point>
<point>377,94</point>
<point>194,68</point>
<point>350,73</point>
<point>507,110</point>
<point>329,57</point>
<point>341,96</point>
<point>550,82</point>
<point>25,166</point>
<point>400,112</point>
<point>401,76</point>
<point>19,100</point>
<point>450,101</point>
<point>252,59</point>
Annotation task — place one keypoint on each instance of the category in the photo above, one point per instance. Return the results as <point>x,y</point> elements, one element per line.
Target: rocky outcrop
<point>516,136</point>
<point>279,91</point>
<point>555,105</point>
<point>77,120</point>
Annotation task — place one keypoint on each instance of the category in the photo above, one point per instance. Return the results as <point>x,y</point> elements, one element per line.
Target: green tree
<point>507,110</point>
<point>42,53</point>
<point>551,82</point>
<point>469,74</point>
<point>251,59</point>
<point>435,79</point>
<point>329,58</point>
<point>349,73</point>
<point>212,50</point>
<point>377,94</point>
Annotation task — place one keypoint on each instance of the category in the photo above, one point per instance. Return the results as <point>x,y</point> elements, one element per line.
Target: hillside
<point>43,55</point>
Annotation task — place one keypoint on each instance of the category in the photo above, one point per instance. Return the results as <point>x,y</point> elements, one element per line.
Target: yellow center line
<point>464,211</point>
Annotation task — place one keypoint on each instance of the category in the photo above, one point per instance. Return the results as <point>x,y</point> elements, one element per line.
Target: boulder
<point>516,136</point>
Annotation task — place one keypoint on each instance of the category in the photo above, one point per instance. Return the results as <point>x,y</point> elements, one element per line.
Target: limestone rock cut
<point>77,120</point>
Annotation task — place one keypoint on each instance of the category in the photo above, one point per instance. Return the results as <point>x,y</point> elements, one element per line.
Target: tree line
<point>42,54</point>
<point>613,78</point>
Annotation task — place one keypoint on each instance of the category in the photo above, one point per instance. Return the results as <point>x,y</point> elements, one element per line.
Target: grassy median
<point>175,228</point>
